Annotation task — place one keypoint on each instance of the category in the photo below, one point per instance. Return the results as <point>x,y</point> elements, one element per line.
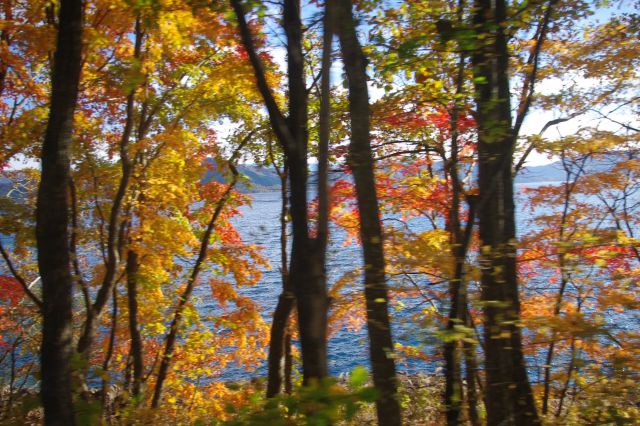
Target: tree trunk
<point>278,343</point>
<point>115,240</point>
<point>106,411</point>
<point>453,375</point>
<point>172,337</point>
<point>361,164</point>
<point>567,382</point>
<point>459,240</point>
<point>457,289</point>
<point>133,265</point>
<point>307,269</point>
<point>470,374</point>
<point>509,400</point>
<point>280,338</point>
<point>52,220</point>
<point>288,363</point>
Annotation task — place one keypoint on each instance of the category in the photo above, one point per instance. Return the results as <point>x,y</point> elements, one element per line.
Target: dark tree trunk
<point>115,233</point>
<point>457,286</point>
<point>567,382</point>
<point>133,266</point>
<point>361,164</point>
<point>52,221</point>
<point>452,353</point>
<point>280,338</point>
<point>453,376</point>
<point>470,374</point>
<point>107,359</point>
<point>288,363</point>
<point>457,293</point>
<point>508,396</point>
<point>307,269</point>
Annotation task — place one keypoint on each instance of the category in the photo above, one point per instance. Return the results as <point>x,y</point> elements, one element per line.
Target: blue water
<point>259,224</point>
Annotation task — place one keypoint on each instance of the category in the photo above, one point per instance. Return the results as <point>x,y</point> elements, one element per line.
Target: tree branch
<point>528,87</point>
<point>20,278</point>
<point>277,118</point>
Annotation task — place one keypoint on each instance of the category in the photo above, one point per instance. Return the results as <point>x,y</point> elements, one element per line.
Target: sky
<point>536,118</point>
<point>532,125</point>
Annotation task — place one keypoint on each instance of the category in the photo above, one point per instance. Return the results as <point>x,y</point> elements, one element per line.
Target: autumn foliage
<point>163,306</point>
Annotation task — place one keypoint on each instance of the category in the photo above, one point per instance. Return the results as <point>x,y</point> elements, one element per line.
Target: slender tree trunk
<point>133,266</point>
<point>115,232</point>
<point>278,343</point>
<point>471,369</point>
<point>307,269</point>
<point>52,221</point>
<point>170,341</point>
<point>280,338</point>
<point>509,400</point>
<point>74,249</point>
<point>107,359</point>
<point>12,378</point>
<point>565,388</point>
<point>361,164</point>
<point>453,375</point>
<point>457,291</point>
<point>453,348</point>
<point>459,242</point>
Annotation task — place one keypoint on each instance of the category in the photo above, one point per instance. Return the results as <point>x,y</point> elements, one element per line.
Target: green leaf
<point>358,377</point>
<point>368,394</point>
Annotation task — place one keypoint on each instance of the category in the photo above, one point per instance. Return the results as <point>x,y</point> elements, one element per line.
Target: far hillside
<point>265,179</point>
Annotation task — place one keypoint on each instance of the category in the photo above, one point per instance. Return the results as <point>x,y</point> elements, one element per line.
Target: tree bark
<point>133,266</point>
<point>470,374</point>
<point>509,400</point>
<point>107,359</point>
<point>459,242</point>
<point>278,343</point>
<point>307,268</point>
<point>52,221</point>
<point>361,163</point>
<point>115,228</point>
<point>280,338</point>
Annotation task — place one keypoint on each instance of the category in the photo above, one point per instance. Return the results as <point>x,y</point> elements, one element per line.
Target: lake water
<point>259,224</point>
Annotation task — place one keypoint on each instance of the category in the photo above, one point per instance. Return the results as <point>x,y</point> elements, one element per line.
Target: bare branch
<point>20,278</point>
<point>277,118</point>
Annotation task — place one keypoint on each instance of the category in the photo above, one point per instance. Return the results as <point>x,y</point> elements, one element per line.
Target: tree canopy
<point>403,137</point>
